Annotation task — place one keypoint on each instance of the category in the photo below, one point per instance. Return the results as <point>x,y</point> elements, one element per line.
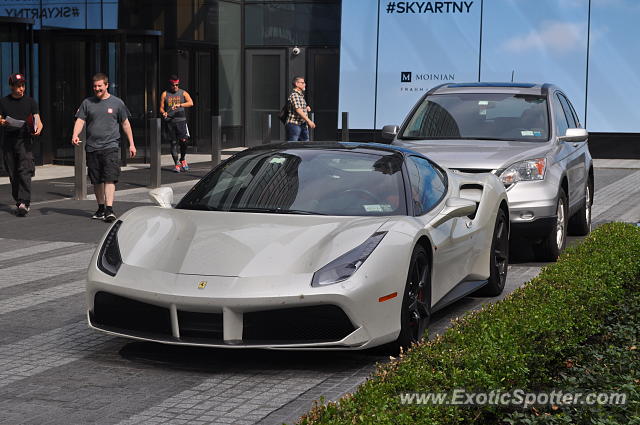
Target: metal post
<point>155,159</point>
<point>216,136</point>
<point>311,130</point>
<point>80,171</point>
<point>266,139</point>
<point>345,126</point>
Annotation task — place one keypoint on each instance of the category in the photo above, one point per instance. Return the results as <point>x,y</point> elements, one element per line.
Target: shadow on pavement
<point>64,211</point>
<point>205,359</point>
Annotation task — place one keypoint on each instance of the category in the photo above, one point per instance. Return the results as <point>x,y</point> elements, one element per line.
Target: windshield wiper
<point>412,138</point>
<point>199,207</point>
<point>274,211</point>
<point>456,138</point>
<point>486,138</point>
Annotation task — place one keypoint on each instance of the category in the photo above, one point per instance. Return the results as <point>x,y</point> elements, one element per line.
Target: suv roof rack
<point>517,85</point>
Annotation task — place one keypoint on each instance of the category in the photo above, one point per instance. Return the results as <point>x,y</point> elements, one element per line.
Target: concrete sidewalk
<point>52,172</point>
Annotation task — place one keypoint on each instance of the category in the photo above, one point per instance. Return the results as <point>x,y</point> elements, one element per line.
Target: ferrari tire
<point>554,243</point>
<point>499,260</point>
<point>416,301</point>
<point>580,223</point>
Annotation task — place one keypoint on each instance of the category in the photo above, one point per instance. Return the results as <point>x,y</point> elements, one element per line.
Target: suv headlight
<point>109,259</point>
<point>529,170</point>
<point>347,264</point>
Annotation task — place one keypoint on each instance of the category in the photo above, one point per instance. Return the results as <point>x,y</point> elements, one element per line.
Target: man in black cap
<point>20,121</point>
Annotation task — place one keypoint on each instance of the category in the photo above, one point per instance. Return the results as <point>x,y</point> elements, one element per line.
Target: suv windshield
<point>304,181</point>
<point>495,116</point>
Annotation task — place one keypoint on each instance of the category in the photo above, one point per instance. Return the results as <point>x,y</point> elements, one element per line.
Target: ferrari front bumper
<point>231,312</point>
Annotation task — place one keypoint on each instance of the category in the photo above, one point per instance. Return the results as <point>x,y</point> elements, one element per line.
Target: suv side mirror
<point>454,207</point>
<point>574,135</point>
<point>389,132</point>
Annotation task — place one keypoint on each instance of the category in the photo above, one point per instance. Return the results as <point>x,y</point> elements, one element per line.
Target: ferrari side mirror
<point>454,207</point>
<point>162,196</point>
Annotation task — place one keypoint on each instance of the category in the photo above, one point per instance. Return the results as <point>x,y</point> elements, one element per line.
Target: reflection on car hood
<point>476,154</point>
<point>237,244</point>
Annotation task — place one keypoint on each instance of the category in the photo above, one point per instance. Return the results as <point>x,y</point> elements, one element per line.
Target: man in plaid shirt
<point>298,123</point>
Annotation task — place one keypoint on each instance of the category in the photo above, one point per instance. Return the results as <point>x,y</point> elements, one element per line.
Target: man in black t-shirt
<point>20,121</point>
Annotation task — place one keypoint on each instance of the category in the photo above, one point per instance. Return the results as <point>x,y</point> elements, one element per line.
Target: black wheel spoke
<point>416,305</point>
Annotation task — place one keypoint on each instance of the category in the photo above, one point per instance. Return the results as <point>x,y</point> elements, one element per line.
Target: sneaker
<point>184,165</point>
<point>176,168</point>
<point>98,215</point>
<point>110,216</point>
<point>22,210</point>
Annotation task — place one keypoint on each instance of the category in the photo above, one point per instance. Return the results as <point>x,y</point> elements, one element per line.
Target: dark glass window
<point>427,184</point>
<point>561,120</point>
<point>292,23</point>
<point>303,181</point>
<point>574,122</point>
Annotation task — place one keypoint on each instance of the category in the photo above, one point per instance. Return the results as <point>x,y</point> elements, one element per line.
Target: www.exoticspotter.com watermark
<point>515,397</point>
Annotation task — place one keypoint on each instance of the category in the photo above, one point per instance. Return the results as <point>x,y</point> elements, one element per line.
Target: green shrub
<point>511,344</point>
<point>606,363</point>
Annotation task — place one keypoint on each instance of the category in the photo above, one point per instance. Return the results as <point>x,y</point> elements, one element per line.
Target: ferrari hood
<point>476,154</point>
<point>237,244</point>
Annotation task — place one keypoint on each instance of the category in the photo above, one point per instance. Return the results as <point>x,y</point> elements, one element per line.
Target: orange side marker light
<point>387,297</point>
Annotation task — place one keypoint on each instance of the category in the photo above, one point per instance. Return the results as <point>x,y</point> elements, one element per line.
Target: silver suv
<point>529,135</point>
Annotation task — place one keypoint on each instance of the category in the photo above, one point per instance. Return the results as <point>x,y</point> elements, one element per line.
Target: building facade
<point>372,59</point>
<point>235,58</point>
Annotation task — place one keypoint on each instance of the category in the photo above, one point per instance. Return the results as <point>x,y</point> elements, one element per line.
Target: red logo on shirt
<point>109,111</point>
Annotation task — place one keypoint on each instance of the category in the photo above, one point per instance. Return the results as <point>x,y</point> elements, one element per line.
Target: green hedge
<point>511,344</point>
<point>606,363</point>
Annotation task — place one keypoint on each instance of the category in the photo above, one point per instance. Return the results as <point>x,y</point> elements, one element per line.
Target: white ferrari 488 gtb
<point>300,246</point>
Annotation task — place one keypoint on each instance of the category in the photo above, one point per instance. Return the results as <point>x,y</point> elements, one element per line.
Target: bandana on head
<point>174,81</point>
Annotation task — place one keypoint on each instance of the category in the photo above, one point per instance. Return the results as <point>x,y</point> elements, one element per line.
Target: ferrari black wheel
<point>416,303</point>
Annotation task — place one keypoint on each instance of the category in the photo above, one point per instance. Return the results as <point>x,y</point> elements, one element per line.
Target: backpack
<point>284,112</point>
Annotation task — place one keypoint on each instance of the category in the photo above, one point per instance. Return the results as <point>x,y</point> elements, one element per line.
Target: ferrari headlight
<point>347,264</point>
<point>530,170</point>
<point>109,259</point>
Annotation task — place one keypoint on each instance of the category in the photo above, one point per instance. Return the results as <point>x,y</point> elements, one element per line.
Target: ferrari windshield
<point>304,181</point>
<point>497,116</point>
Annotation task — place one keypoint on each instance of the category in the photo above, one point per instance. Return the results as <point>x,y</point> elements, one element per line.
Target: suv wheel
<point>580,223</point>
<point>553,244</point>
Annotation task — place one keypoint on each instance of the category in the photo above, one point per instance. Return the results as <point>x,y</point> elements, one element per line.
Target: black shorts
<point>104,165</point>
<point>178,130</point>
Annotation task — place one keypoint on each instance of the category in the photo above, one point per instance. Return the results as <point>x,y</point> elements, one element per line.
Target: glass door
<point>16,55</point>
<point>140,90</point>
<point>322,80</point>
<point>16,49</point>
<point>72,57</point>
<point>69,74</point>
<point>264,93</point>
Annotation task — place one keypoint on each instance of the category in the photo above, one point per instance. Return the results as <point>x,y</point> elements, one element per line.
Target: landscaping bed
<point>519,343</point>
